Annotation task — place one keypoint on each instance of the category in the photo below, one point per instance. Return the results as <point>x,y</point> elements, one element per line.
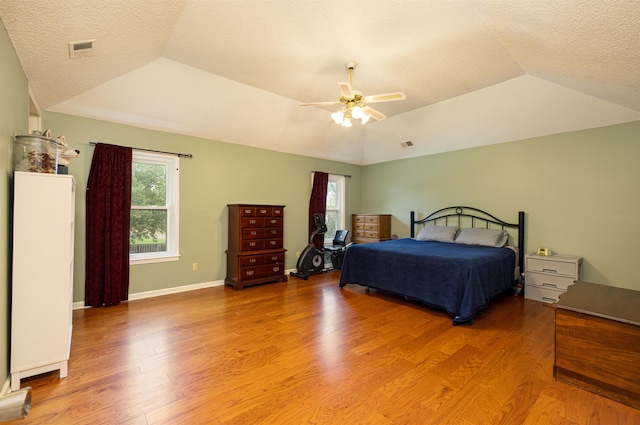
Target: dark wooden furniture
<point>255,253</point>
<point>598,341</point>
<point>370,228</point>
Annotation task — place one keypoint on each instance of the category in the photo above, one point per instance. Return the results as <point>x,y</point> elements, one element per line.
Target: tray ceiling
<point>235,71</point>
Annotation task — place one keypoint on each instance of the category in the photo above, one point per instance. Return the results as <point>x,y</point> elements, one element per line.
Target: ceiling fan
<point>354,104</point>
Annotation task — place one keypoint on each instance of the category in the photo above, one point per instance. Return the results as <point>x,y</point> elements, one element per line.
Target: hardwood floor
<point>306,352</point>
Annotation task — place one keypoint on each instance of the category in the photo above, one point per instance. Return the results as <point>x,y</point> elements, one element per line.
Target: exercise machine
<point>311,260</point>
<point>337,249</point>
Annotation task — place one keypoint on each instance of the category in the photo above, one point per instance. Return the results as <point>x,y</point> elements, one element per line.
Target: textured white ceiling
<point>201,67</point>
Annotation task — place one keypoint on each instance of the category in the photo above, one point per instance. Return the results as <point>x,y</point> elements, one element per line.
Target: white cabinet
<point>42,274</point>
<point>546,278</point>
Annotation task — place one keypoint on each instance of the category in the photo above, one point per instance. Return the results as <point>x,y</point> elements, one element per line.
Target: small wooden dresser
<point>370,228</point>
<point>255,254</point>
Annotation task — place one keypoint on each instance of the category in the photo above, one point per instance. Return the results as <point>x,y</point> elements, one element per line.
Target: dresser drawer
<point>549,281</point>
<point>358,219</point>
<point>272,243</point>
<point>273,222</point>
<point>371,234</point>
<point>248,211</point>
<point>251,260</point>
<point>552,265</point>
<point>545,295</point>
<point>261,271</point>
<point>273,232</point>
<point>371,227</point>
<point>252,233</point>
<point>251,222</point>
<point>252,244</point>
<point>264,211</point>
<point>274,258</point>
<point>372,219</point>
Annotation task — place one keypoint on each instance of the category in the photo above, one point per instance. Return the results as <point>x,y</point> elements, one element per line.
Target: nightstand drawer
<point>542,294</point>
<point>549,281</point>
<point>553,264</point>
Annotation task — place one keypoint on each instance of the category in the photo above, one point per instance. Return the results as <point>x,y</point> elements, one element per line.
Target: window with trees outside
<point>154,208</point>
<point>334,216</point>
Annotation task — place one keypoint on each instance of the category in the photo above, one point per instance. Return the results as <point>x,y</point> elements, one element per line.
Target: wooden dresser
<point>598,341</point>
<point>255,254</point>
<point>370,228</point>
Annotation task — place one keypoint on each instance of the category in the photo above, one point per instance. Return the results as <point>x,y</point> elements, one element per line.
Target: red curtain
<point>318,204</point>
<point>108,218</point>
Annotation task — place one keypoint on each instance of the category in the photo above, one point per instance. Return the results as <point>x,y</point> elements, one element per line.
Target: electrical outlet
<point>195,266</point>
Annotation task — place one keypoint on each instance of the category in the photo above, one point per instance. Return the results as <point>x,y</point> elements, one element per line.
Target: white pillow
<point>438,233</point>
<point>484,237</point>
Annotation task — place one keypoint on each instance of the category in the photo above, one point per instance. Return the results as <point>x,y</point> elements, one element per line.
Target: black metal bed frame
<point>455,214</point>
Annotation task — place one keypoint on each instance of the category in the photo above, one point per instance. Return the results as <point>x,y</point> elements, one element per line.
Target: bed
<point>459,260</point>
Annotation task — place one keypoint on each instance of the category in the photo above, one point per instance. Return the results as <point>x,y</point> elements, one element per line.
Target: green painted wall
<point>14,120</point>
<point>580,192</point>
<point>217,175</point>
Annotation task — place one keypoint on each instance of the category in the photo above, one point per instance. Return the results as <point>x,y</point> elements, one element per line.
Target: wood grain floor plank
<point>307,352</point>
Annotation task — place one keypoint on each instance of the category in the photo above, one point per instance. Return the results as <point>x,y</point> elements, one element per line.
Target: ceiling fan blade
<point>377,115</point>
<point>346,90</point>
<point>319,103</point>
<point>386,97</point>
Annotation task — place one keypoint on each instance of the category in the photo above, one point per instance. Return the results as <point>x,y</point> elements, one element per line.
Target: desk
<point>598,340</point>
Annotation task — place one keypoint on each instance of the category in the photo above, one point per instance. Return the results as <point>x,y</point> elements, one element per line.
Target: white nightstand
<point>546,278</point>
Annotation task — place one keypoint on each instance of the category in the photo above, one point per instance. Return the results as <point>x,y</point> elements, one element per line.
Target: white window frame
<point>340,195</point>
<point>172,164</point>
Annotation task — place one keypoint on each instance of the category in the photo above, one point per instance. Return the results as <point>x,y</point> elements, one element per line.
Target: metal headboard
<point>452,216</point>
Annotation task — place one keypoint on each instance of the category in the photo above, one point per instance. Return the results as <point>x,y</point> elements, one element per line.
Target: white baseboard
<point>159,292</point>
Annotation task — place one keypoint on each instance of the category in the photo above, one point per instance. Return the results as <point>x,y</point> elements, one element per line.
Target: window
<point>334,217</point>
<point>154,208</point>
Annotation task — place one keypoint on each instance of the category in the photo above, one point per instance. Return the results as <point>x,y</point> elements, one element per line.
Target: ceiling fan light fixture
<point>354,104</point>
<point>337,117</point>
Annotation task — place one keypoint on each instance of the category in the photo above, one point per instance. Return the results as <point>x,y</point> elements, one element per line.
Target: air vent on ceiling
<point>406,144</point>
<point>81,49</point>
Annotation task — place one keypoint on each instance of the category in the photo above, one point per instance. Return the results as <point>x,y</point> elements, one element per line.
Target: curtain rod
<point>335,174</point>
<point>183,155</point>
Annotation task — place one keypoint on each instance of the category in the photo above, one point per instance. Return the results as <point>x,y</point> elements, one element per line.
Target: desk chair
<point>338,247</point>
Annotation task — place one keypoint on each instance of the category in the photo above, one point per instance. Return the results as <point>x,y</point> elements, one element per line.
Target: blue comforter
<point>461,279</point>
